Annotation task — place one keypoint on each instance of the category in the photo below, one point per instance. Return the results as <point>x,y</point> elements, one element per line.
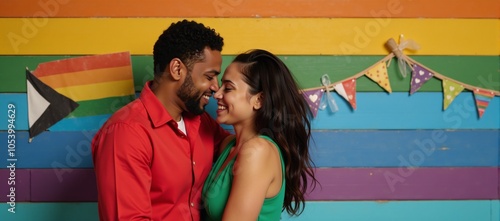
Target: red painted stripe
<point>82,64</point>
<point>444,183</point>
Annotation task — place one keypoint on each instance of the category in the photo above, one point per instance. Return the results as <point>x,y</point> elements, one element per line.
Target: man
<point>152,156</point>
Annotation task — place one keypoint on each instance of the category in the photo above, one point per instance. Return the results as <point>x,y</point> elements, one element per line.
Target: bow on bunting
<point>330,102</point>
<point>403,63</point>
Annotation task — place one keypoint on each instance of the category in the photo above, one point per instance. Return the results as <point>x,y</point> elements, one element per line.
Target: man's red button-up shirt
<point>146,168</point>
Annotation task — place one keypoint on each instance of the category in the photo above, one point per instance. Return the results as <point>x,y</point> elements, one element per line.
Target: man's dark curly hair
<point>185,40</point>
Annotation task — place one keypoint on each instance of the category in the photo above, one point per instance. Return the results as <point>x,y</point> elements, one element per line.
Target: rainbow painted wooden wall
<point>396,157</point>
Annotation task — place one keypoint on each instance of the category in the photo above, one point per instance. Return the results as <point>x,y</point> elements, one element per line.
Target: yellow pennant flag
<point>379,75</point>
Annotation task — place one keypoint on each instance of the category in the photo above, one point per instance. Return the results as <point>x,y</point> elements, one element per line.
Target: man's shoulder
<point>132,112</point>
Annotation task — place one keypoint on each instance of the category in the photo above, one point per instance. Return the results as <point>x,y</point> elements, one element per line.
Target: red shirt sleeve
<point>122,158</point>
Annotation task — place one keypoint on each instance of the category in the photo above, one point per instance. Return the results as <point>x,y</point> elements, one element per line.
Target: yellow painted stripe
<point>98,91</point>
<point>294,36</point>
<point>88,77</point>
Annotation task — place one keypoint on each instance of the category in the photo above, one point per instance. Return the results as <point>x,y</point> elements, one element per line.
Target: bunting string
<point>360,74</point>
<point>377,72</point>
<point>442,77</point>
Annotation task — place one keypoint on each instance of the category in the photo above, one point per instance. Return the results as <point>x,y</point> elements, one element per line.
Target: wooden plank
<point>403,148</point>
<point>72,150</point>
<point>270,8</point>
<point>287,36</point>
<point>306,69</point>
<point>459,210</point>
<point>467,210</point>
<point>331,148</point>
<point>441,183</point>
<point>18,179</point>
<point>406,183</point>
<point>401,111</point>
<point>495,210</point>
<point>63,185</point>
<point>51,211</point>
<point>376,111</point>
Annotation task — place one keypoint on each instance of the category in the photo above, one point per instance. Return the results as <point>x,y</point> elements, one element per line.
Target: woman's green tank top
<point>217,188</point>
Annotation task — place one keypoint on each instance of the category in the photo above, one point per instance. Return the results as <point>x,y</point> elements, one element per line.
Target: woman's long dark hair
<point>285,117</point>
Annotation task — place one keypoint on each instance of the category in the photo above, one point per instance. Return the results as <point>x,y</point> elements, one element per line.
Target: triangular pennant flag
<point>347,90</point>
<point>379,75</point>
<point>313,99</point>
<point>483,98</point>
<point>45,105</point>
<point>451,90</point>
<point>419,76</point>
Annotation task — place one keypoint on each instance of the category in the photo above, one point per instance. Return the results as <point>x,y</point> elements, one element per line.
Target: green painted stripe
<point>480,71</point>
<point>460,210</point>
<point>100,106</point>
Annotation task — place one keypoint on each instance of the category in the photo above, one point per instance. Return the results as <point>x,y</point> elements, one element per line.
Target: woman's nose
<point>218,94</point>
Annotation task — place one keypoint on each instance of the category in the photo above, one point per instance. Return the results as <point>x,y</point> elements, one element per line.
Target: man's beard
<point>188,94</point>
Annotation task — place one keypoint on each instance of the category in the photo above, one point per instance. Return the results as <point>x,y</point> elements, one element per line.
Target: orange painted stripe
<point>83,63</point>
<point>248,8</point>
<point>88,77</point>
<point>98,90</point>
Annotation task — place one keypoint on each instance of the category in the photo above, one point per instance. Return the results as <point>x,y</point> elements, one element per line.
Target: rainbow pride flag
<point>100,84</point>
<point>87,89</point>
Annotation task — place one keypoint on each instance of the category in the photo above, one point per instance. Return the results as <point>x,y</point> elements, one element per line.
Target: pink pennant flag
<point>483,98</point>
<point>313,98</point>
<point>347,89</point>
<point>419,76</point>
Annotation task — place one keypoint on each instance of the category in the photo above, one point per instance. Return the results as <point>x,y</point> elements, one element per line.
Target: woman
<point>265,169</point>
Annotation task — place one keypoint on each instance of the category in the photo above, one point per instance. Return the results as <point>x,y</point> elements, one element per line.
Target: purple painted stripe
<point>18,179</point>
<point>407,184</point>
<point>436,183</point>
<point>63,185</point>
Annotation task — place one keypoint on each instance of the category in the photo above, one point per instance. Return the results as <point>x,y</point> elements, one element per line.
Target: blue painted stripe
<point>375,111</point>
<point>89,123</point>
<point>332,148</point>
<point>405,148</point>
<point>461,210</point>
<point>401,111</point>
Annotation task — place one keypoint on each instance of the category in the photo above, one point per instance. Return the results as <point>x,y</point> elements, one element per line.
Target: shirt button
<point>194,163</point>
<point>191,204</point>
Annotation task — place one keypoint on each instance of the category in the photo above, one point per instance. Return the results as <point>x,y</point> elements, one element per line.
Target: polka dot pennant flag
<point>450,91</point>
<point>419,76</point>
<point>313,99</point>
<point>483,98</point>
<point>379,75</point>
<point>347,90</point>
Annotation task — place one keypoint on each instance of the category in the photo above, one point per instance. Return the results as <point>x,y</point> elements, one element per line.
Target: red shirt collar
<point>156,111</point>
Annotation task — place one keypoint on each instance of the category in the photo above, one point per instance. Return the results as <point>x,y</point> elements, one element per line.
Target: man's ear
<point>258,100</point>
<point>176,68</point>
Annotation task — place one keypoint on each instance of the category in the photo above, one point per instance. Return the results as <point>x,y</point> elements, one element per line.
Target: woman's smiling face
<point>235,103</point>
